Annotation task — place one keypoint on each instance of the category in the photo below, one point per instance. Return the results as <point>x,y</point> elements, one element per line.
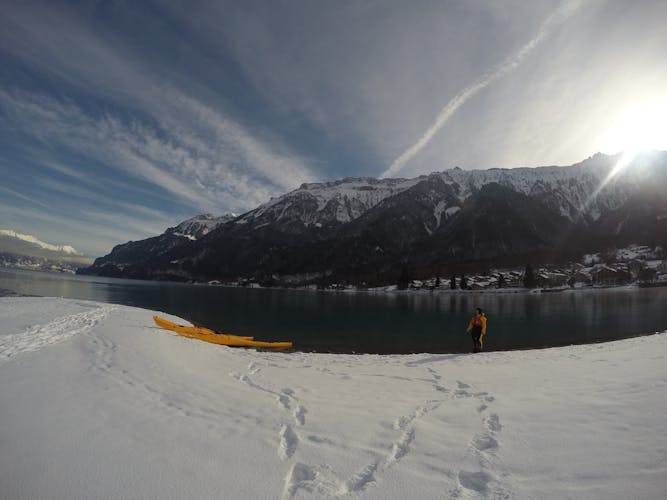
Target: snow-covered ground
<point>95,402</point>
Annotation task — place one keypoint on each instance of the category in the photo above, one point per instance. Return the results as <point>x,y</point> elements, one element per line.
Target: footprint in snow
<point>299,476</point>
<point>57,330</point>
<point>434,374</point>
<point>285,398</point>
<point>401,447</point>
<point>475,481</point>
<point>300,415</point>
<point>493,423</point>
<point>288,442</point>
<point>485,442</point>
<point>360,481</point>
<point>462,390</point>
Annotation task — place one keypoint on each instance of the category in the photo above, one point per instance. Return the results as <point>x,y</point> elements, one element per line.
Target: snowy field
<point>95,402</point>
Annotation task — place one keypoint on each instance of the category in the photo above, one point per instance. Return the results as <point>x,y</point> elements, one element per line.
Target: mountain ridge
<point>26,251</point>
<point>365,229</point>
<point>34,241</point>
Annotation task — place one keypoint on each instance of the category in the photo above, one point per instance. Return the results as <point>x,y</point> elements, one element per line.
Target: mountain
<point>29,252</point>
<point>199,226</point>
<point>33,246</point>
<point>129,260</point>
<point>374,230</point>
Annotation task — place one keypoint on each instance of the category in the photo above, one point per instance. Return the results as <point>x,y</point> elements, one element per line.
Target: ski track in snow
<point>60,329</point>
<point>473,481</point>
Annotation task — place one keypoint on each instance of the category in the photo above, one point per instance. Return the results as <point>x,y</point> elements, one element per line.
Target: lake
<point>373,322</point>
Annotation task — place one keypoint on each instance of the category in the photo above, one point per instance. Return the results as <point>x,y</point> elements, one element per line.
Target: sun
<point>638,127</point>
<point>641,126</point>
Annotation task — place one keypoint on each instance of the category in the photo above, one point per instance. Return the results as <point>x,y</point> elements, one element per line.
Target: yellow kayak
<point>199,333</point>
<point>183,329</point>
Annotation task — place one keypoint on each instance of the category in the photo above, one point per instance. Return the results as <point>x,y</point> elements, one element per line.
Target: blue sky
<point>121,118</point>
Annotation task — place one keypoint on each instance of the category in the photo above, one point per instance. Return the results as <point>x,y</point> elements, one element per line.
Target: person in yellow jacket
<point>477,328</point>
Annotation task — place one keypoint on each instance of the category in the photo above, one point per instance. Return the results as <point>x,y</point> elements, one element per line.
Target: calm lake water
<point>401,322</point>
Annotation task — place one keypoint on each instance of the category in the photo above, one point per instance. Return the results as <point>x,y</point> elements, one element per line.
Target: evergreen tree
<point>464,282</point>
<point>501,281</point>
<point>529,280</point>
<point>437,281</point>
<point>452,282</point>
<point>404,278</point>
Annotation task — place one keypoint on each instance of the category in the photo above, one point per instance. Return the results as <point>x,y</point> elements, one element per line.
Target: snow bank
<point>96,402</point>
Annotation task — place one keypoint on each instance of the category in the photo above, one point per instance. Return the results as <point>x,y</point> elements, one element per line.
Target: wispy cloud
<point>112,183</point>
<point>567,9</point>
<point>107,140</point>
<point>128,221</point>
<point>173,160</point>
<point>183,144</point>
<point>93,231</point>
<point>15,194</point>
<point>67,189</point>
<point>65,170</point>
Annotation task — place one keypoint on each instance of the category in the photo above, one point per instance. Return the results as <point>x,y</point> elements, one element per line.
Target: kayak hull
<point>234,341</point>
<point>206,335</point>
<point>190,330</point>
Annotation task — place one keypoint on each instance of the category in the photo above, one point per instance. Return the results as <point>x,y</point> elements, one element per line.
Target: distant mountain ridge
<point>29,252</point>
<point>200,225</point>
<point>371,230</point>
<point>33,241</point>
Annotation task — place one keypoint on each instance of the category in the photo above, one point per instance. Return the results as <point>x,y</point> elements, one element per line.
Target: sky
<point>119,119</point>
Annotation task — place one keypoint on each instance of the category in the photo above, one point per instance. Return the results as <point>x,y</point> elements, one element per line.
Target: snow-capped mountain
<point>129,259</point>
<point>34,242</point>
<point>326,203</point>
<point>567,190</point>
<point>365,229</point>
<point>29,252</point>
<point>200,225</point>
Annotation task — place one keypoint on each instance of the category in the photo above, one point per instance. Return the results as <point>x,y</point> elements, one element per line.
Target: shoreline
<point>376,290</point>
<point>297,350</point>
<point>423,321</point>
<point>349,289</point>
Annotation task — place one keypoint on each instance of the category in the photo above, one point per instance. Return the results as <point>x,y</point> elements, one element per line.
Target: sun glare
<point>639,127</point>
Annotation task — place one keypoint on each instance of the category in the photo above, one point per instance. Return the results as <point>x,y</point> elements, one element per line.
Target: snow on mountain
<point>326,203</point>
<point>438,210</point>
<point>567,190</point>
<point>66,249</point>
<point>25,251</point>
<point>200,225</point>
<point>363,228</point>
<point>572,190</point>
<point>123,257</point>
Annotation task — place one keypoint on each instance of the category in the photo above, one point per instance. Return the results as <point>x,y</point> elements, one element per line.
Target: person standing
<point>477,328</point>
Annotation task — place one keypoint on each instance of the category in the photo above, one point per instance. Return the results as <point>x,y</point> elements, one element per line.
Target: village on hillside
<point>635,264</point>
<point>638,265</point>
<point>37,263</point>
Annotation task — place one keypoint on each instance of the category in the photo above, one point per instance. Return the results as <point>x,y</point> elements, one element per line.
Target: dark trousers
<point>476,334</point>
